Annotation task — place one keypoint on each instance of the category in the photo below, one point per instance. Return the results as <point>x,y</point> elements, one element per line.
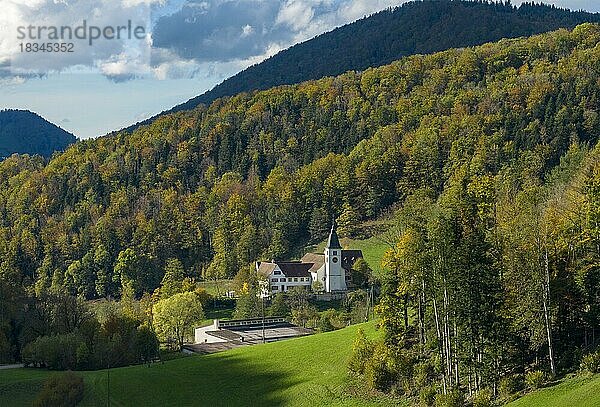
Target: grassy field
<point>373,248</point>
<point>579,392</point>
<point>308,371</point>
<point>217,288</point>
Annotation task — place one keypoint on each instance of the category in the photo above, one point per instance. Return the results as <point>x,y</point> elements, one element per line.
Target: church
<point>332,268</point>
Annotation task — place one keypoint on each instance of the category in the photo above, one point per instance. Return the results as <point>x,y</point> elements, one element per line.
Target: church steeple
<point>335,279</point>
<point>333,242</point>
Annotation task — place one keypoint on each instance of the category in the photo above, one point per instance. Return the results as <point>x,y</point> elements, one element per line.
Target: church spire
<point>333,242</point>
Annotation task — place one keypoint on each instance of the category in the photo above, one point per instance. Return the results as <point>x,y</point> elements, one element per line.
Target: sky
<point>181,48</point>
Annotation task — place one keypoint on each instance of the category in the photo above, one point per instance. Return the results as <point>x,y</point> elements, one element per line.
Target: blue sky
<point>190,46</point>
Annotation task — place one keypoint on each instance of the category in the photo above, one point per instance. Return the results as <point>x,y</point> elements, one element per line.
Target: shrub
<point>591,363</point>
<point>423,374</point>
<point>427,396</point>
<point>362,349</point>
<point>483,398</point>
<point>61,390</point>
<point>535,379</point>
<point>326,320</point>
<point>510,385</point>
<point>58,352</point>
<point>378,370</point>
<point>455,398</point>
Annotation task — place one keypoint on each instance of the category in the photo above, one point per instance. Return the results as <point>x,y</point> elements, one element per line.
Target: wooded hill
<point>489,153</point>
<point>416,27</point>
<point>24,132</point>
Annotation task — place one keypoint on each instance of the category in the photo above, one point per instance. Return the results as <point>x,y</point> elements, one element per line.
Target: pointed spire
<point>333,242</point>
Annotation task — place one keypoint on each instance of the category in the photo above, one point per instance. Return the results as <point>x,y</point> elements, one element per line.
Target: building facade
<point>332,269</point>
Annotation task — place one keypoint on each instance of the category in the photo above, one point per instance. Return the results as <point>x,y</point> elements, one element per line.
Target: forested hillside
<point>489,154</point>
<point>417,27</point>
<point>24,132</point>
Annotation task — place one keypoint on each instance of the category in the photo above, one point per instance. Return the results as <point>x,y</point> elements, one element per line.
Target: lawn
<point>217,288</point>
<point>373,249</point>
<point>580,392</point>
<point>309,371</point>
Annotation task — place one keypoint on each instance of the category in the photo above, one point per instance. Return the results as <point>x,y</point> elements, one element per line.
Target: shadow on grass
<point>213,380</point>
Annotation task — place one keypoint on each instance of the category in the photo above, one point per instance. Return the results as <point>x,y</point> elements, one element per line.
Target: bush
<point>510,385</point>
<point>455,398</point>
<point>362,349</point>
<point>58,352</point>
<point>591,363</point>
<point>120,342</point>
<point>378,370</point>
<point>427,396</point>
<point>63,390</point>
<point>483,398</point>
<point>424,373</point>
<point>535,379</point>
<point>326,321</point>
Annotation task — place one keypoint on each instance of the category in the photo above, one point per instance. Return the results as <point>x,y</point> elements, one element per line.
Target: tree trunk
<point>546,298</point>
<point>440,342</point>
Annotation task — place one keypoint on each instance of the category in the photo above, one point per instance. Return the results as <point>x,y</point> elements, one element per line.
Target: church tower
<point>335,276</point>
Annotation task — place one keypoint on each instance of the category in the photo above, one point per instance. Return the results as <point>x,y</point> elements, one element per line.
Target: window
<point>273,288</point>
<point>282,280</point>
<point>274,280</point>
<point>295,279</point>
<point>277,272</point>
<point>335,252</point>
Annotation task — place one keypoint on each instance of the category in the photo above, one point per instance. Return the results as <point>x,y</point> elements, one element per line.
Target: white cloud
<point>61,21</point>
<point>296,14</point>
<point>247,30</point>
<point>189,37</point>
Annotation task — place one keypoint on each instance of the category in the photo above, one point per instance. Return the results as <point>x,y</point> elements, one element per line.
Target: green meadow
<point>307,371</point>
<point>576,392</point>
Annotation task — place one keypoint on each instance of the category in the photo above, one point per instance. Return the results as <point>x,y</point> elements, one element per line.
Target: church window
<point>335,252</point>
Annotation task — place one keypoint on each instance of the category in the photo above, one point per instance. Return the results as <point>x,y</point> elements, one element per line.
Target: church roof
<point>317,259</point>
<point>295,269</point>
<point>288,268</point>
<point>349,257</point>
<point>266,268</point>
<point>333,242</point>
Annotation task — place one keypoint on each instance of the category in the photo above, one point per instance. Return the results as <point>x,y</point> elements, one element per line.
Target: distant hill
<point>25,132</point>
<point>419,27</point>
